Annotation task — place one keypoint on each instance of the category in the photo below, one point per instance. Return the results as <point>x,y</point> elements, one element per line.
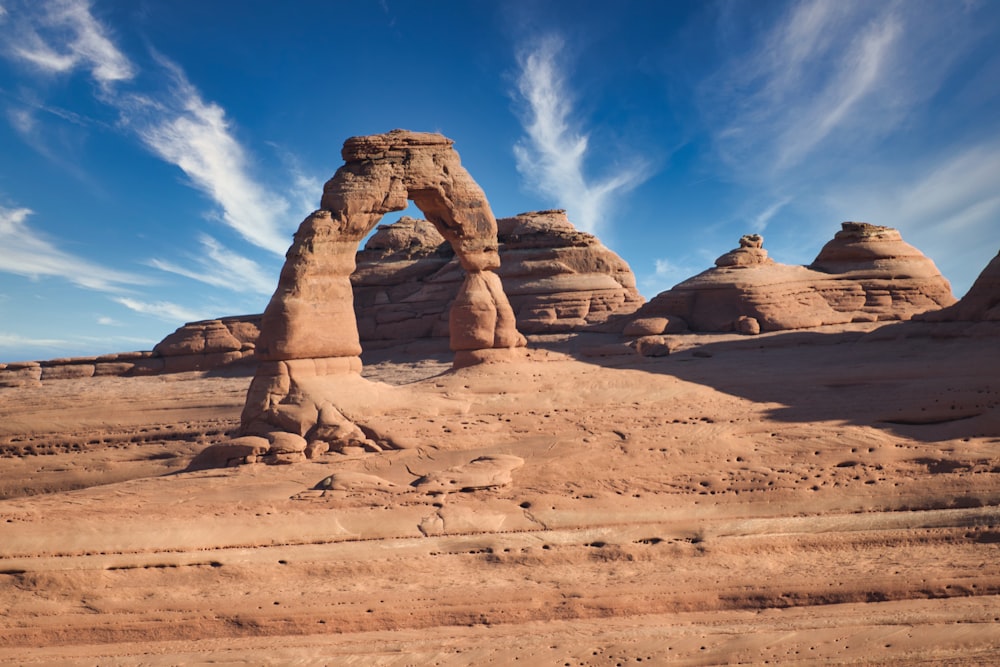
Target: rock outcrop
<point>556,278</point>
<point>196,346</point>
<point>867,273</point>
<point>309,331</point>
<point>559,278</point>
<point>209,344</point>
<point>980,304</point>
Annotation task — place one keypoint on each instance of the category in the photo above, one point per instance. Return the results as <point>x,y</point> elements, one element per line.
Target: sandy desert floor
<point>826,497</point>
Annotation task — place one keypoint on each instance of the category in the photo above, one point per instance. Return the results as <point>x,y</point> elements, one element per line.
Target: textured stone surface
<point>556,278</point>
<point>485,472</point>
<point>309,328</point>
<point>866,273</point>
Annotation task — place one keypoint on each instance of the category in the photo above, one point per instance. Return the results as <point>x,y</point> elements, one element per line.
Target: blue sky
<point>156,156</point>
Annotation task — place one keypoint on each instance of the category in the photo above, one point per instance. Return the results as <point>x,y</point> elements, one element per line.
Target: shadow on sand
<point>895,379</point>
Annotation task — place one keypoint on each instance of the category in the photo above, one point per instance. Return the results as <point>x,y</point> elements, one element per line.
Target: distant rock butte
<point>556,277</point>
<point>309,332</point>
<point>867,273</point>
<point>196,346</point>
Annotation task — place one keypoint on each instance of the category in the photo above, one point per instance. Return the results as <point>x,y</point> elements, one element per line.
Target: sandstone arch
<point>309,329</point>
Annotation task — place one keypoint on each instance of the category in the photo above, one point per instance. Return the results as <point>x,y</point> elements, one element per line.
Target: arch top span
<point>309,322</point>
<point>381,172</point>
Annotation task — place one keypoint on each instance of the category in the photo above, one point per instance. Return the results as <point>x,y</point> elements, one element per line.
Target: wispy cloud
<point>825,82</point>
<point>163,310</point>
<point>668,272</point>
<point>759,223</point>
<point>174,122</point>
<point>221,267</point>
<point>552,156</point>
<point>17,341</point>
<point>25,252</point>
<point>63,35</point>
<point>185,130</point>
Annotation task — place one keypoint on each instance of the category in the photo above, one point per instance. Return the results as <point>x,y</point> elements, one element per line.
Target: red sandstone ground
<point>822,496</point>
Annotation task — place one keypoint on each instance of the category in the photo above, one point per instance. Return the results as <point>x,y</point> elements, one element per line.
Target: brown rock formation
<point>867,273</point>
<point>209,344</point>
<point>980,304</point>
<point>556,277</point>
<point>559,278</point>
<point>309,331</point>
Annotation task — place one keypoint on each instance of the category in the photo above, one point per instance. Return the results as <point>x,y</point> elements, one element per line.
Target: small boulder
<point>316,448</point>
<point>234,452</point>
<point>654,326</point>
<point>655,346</point>
<point>748,326</point>
<point>286,443</point>
<point>485,472</point>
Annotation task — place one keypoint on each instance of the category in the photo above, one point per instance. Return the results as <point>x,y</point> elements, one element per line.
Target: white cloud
<point>174,122</point>
<point>163,310</point>
<point>60,35</point>
<point>23,121</point>
<point>759,223</point>
<point>25,252</point>
<point>17,341</point>
<point>183,129</point>
<point>106,321</point>
<point>221,267</point>
<point>552,155</point>
<point>666,273</point>
<point>826,82</point>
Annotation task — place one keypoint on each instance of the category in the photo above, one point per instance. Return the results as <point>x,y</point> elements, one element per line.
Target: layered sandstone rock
<point>867,273</point>
<point>556,278</point>
<point>209,344</point>
<point>196,346</point>
<point>980,304</point>
<point>405,280</point>
<point>559,278</point>
<point>308,331</point>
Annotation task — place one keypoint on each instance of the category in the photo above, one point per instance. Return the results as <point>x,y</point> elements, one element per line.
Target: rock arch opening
<point>309,331</point>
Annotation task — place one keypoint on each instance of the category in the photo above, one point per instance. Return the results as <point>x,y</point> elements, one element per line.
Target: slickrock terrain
<point>822,497</point>
<point>867,273</point>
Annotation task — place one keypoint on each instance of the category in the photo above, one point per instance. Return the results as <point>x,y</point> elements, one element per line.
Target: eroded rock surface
<point>485,472</point>
<point>556,277</point>
<point>867,273</point>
